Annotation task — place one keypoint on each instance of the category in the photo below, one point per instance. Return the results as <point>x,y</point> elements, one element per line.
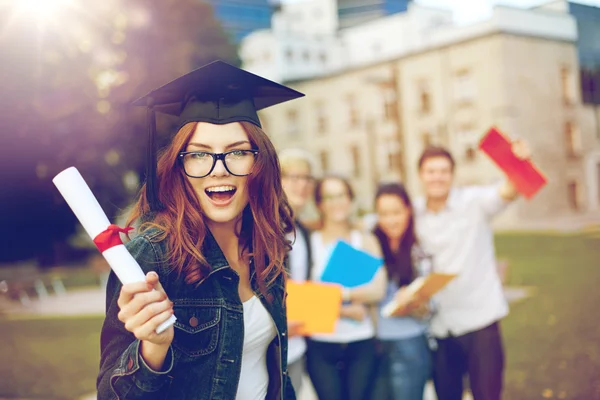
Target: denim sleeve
<point>123,372</point>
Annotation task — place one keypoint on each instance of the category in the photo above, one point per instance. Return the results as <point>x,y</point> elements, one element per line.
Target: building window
<point>306,55</point>
<point>292,122</point>
<point>323,57</point>
<point>426,139</point>
<point>464,87</point>
<point>389,98</point>
<point>573,140</point>
<point>289,55</point>
<point>321,117</point>
<point>468,139</point>
<point>470,153</point>
<point>355,153</point>
<point>574,194</point>
<point>353,115</point>
<point>590,85</point>
<point>567,85</point>
<point>324,157</point>
<point>394,161</point>
<point>424,98</point>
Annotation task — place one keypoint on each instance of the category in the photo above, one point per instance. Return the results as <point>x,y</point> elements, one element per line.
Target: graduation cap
<point>217,93</point>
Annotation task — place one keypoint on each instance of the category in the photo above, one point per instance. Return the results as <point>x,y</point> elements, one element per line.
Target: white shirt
<point>298,259</point>
<point>346,330</point>
<point>461,241</point>
<point>259,331</point>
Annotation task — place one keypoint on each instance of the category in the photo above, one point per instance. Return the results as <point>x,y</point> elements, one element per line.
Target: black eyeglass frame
<point>216,157</point>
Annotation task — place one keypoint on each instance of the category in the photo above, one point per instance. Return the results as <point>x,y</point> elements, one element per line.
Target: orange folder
<point>523,174</point>
<point>316,305</point>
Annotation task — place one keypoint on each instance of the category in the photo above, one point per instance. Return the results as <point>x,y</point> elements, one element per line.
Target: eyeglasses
<point>334,197</point>
<point>299,178</point>
<point>199,164</point>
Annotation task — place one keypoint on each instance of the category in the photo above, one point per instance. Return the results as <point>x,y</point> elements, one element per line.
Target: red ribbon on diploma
<point>110,237</point>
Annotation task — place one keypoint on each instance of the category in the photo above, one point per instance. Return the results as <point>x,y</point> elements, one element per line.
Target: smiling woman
<point>212,241</point>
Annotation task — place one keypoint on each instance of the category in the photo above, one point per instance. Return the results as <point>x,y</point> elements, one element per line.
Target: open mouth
<point>220,194</point>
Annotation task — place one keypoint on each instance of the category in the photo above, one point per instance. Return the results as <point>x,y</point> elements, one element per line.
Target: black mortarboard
<point>217,93</point>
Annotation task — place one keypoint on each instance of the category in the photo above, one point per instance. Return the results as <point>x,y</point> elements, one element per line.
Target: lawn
<point>552,338</point>
<point>49,358</point>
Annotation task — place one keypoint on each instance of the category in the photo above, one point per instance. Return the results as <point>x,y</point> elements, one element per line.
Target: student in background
<point>454,226</point>
<point>341,364</point>
<point>405,355</point>
<point>298,185</point>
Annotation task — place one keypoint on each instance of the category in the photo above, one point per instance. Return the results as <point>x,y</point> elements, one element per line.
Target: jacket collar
<point>212,252</point>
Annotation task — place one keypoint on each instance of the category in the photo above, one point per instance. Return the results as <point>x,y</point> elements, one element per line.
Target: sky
<point>467,11</point>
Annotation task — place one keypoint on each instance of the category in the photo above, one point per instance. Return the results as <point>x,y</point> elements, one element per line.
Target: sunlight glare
<point>42,10</point>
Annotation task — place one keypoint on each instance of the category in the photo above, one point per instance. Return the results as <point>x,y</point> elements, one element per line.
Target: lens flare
<point>41,9</point>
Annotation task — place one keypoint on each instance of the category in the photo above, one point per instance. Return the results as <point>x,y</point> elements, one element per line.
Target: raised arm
<point>135,361</point>
<point>494,199</point>
<point>508,191</point>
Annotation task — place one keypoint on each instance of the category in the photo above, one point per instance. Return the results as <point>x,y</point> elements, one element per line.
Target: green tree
<point>66,84</point>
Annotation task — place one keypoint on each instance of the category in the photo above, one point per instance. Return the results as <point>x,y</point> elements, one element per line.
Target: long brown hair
<point>265,220</point>
<point>399,263</point>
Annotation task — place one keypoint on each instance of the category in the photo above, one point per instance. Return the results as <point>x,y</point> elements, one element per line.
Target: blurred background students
<point>341,364</point>
<point>405,355</point>
<point>298,184</point>
<point>454,226</point>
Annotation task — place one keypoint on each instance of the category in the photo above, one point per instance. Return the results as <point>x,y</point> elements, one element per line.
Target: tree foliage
<point>66,81</point>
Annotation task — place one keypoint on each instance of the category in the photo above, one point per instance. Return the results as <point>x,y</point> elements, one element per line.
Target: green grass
<point>552,339</point>
<point>49,358</point>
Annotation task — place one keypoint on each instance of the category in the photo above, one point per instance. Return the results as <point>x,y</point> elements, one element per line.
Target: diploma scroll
<point>86,208</point>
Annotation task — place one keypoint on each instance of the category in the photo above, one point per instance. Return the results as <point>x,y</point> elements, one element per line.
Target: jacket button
<point>193,322</point>
<point>283,334</point>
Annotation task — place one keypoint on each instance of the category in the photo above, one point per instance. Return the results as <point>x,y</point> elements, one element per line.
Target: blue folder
<point>350,267</point>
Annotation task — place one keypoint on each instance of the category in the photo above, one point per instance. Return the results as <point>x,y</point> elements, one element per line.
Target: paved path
<point>88,301</point>
<point>91,302</point>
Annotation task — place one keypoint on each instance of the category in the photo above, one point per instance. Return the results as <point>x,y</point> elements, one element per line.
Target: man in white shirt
<point>454,225</point>
<point>298,184</point>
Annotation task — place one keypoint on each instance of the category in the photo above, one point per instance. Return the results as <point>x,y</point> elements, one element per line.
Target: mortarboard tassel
<point>151,179</point>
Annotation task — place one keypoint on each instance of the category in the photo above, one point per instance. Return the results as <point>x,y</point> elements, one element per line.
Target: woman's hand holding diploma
<point>144,307</point>
<point>86,208</point>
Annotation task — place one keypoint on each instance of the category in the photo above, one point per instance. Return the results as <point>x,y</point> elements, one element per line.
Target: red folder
<point>522,173</point>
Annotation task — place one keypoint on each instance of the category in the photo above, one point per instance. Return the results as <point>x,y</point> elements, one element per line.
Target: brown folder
<point>419,291</point>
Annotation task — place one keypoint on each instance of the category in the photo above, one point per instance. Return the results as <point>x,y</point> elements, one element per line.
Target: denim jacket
<point>204,359</point>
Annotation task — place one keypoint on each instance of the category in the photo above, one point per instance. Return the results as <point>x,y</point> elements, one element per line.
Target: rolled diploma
<point>86,208</point>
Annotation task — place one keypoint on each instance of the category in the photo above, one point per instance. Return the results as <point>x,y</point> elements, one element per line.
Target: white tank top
<point>259,331</point>
<point>347,330</point>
